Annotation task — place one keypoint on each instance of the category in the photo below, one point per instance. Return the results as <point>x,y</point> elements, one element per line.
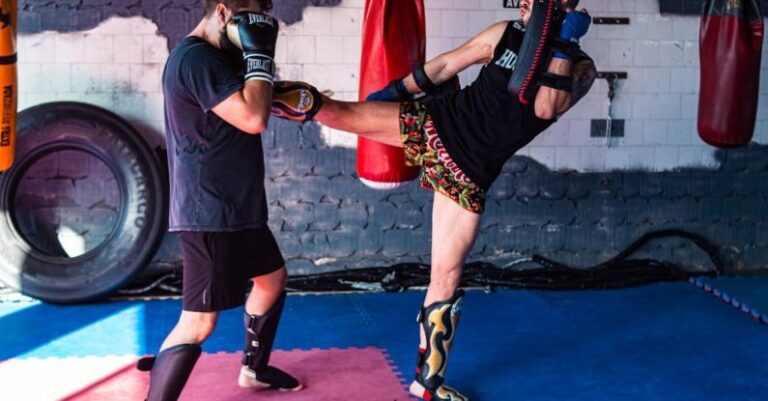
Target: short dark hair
<point>210,5</point>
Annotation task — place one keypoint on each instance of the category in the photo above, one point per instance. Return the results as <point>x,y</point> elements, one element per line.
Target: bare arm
<point>248,109</point>
<point>552,102</point>
<point>478,50</point>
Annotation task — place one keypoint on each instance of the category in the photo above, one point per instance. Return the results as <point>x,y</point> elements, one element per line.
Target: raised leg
<point>378,121</point>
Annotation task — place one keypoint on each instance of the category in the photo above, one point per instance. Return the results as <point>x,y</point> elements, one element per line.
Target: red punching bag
<point>731,43</point>
<point>393,44</point>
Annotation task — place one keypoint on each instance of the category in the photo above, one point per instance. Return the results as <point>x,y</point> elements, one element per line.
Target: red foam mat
<point>335,374</point>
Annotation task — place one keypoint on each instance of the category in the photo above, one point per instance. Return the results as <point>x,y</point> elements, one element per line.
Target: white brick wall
<point>118,64</point>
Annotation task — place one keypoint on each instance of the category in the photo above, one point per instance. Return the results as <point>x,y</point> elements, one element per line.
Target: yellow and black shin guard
<point>438,322</point>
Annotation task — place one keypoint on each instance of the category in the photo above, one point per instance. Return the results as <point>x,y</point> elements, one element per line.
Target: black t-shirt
<point>216,171</point>
<point>482,125</point>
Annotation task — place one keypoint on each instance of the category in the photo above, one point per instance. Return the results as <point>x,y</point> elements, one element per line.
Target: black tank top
<point>482,126</point>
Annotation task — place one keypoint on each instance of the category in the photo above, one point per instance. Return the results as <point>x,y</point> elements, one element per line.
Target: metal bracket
<point>610,21</point>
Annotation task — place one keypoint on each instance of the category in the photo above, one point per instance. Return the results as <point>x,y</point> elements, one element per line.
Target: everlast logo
<point>254,18</point>
<point>259,64</point>
<point>5,132</point>
<point>507,60</point>
<point>511,3</point>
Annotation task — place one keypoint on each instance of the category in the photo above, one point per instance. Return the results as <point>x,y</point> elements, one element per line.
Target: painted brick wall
<point>567,195</point>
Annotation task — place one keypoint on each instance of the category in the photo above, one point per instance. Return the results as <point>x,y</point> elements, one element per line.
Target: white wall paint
<point>118,66</point>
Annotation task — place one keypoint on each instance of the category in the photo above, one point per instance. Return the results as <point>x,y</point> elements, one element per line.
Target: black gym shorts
<point>219,265</point>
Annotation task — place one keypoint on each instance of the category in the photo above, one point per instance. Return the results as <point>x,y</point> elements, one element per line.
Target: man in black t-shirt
<point>462,140</point>
<point>217,84</point>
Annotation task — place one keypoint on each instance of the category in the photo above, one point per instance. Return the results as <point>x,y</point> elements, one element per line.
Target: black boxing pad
<point>540,42</point>
<point>533,50</point>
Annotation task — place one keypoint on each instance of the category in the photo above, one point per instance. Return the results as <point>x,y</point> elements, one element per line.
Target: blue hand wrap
<point>575,26</point>
<point>394,92</point>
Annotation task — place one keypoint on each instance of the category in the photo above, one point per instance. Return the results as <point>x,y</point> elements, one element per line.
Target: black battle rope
<point>618,272</point>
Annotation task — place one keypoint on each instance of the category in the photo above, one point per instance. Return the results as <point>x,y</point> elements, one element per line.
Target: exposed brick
<point>744,186</point>
<point>330,162</point>
<point>754,257</point>
<point>638,211</point>
<point>523,239</point>
<point>610,182</point>
<point>396,242</point>
<point>679,210</point>
<point>493,214</point>
<point>761,234</point>
<point>585,239</point>
<point>562,212</point>
<point>528,185</point>
<point>723,184</point>
<point>603,209</point>
<point>580,186</point>
<point>551,239</point>
<point>409,216</point>
<point>382,215</point>
<point>353,216</point>
<point>341,243</point>
<point>675,185</point>
<point>297,216</point>
<point>698,184</point>
<point>711,209</point>
<point>326,217</point>
<point>504,187</point>
<point>554,187</point>
<point>517,213</point>
<point>370,241</point>
<point>289,243</point>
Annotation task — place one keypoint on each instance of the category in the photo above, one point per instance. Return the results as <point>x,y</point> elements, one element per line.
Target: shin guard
<point>260,335</point>
<point>169,371</point>
<point>438,323</point>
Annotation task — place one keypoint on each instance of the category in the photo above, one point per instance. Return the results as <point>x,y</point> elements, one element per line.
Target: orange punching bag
<point>7,82</point>
<point>731,43</point>
<point>393,44</point>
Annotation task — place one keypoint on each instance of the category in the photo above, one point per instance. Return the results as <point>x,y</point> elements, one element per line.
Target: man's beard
<point>228,47</point>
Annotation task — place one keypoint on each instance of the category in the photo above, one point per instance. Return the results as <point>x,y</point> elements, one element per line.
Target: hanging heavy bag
<point>731,43</point>
<point>393,44</point>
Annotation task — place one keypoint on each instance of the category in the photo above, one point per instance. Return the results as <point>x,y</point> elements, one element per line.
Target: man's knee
<point>198,325</point>
<point>272,282</point>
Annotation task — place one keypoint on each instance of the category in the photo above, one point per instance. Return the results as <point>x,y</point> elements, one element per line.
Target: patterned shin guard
<point>438,323</point>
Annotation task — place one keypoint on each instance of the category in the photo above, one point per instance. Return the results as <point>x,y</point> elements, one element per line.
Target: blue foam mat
<point>659,342</point>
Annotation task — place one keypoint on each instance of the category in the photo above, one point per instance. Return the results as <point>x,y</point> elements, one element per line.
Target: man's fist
<point>255,34</point>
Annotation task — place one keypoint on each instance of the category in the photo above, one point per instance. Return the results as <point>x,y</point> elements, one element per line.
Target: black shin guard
<point>260,335</point>
<point>169,371</point>
<point>439,321</point>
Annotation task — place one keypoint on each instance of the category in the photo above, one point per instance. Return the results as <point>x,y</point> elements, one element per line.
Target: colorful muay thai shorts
<point>424,148</point>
